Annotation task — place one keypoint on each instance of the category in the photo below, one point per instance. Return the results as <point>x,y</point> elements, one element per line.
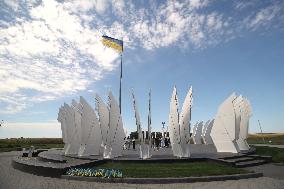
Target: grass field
<point>269,138</point>
<point>7,145</point>
<point>276,153</point>
<point>178,169</point>
<point>18,144</point>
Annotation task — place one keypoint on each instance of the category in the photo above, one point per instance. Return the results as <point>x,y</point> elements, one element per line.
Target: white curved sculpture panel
<point>73,145</point>
<point>244,125</point>
<point>103,113</point>
<point>77,118</point>
<point>184,122</point>
<point>197,132</point>
<point>207,131</point>
<point>230,128</point>
<point>144,146</point>
<point>116,133</point>
<point>137,118</point>
<point>179,126</point>
<point>62,119</point>
<point>238,107</point>
<point>223,130</point>
<point>204,127</point>
<point>174,125</point>
<point>112,130</point>
<point>91,132</point>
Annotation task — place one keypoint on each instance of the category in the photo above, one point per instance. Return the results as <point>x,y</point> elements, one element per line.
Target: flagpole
<point>120,80</point>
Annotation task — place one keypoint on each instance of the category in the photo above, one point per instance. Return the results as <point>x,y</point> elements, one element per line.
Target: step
<point>251,163</point>
<point>268,158</point>
<point>55,158</point>
<point>241,159</point>
<point>234,157</point>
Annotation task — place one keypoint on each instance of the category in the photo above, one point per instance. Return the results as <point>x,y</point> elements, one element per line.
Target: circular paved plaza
<point>11,178</point>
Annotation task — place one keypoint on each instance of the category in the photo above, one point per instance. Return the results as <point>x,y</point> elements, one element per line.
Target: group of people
<point>157,143</point>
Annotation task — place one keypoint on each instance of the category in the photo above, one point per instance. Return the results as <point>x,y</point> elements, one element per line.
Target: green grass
<point>7,145</point>
<point>269,138</point>
<point>276,153</point>
<point>177,169</point>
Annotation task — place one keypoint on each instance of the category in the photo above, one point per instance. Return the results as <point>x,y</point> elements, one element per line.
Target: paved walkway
<point>11,178</point>
<point>270,170</point>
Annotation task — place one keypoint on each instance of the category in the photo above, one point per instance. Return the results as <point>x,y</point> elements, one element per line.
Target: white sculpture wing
<point>103,113</point>
<point>204,128</point>
<point>116,133</point>
<point>62,119</point>
<point>77,116</point>
<point>71,131</point>
<point>227,113</point>
<point>197,133</point>
<point>246,114</point>
<point>92,132</point>
<point>223,130</point>
<point>137,117</point>
<point>244,125</point>
<point>207,137</point>
<point>238,104</point>
<point>174,131</point>
<point>185,118</point>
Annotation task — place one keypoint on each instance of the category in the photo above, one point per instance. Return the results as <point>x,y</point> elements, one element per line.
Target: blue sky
<point>50,53</point>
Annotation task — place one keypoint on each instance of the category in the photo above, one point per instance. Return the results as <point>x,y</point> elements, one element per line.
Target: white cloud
<point>198,3</point>
<point>54,49</point>
<point>264,16</point>
<point>241,5</point>
<point>52,55</point>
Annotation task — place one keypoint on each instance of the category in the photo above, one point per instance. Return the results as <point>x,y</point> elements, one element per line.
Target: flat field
<point>16,144</point>
<point>266,138</point>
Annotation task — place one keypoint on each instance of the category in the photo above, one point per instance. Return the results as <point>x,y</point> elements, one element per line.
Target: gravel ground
<point>15,179</point>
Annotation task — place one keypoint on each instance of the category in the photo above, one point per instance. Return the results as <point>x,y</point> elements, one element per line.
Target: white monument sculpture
<point>197,132</point>
<point>246,113</point>
<point>77,121</point>
<point>230,123</point>
<point>84,134</point>
<point>144,143</point>
<point>179,125</point>
<point>67,118</point>
<point>113,134</point>
<point>206,131</point>
<point>91,132</point>
<point>62,119</point>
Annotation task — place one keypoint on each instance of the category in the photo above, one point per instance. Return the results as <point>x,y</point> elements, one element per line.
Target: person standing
<point>133,144</point>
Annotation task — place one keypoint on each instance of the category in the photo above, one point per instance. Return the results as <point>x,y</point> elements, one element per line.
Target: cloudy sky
<point>50,53</point>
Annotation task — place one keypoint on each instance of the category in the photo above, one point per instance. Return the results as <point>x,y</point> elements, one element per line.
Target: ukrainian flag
<point>113,43</point>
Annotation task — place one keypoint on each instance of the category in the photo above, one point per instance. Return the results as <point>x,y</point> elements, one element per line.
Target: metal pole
<point>261,131</point>
<point>120,80</point>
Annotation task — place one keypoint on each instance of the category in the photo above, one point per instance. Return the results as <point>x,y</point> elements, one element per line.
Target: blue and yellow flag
<point>113,43</point>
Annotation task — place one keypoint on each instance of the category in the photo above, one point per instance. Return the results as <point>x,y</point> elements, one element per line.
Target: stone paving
<point>11,178</point>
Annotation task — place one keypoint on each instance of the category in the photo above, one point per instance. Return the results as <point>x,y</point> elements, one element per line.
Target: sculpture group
<point>230,128</point>
<point>228,131</point>
<point>84,133</point>
<point>88,132</point>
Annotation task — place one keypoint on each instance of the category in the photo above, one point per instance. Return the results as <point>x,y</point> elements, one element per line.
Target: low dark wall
<point>38,170</point>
